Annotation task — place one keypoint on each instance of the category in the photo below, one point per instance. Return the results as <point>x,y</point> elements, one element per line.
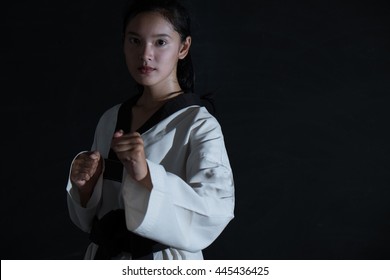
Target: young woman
<point>157,183</point>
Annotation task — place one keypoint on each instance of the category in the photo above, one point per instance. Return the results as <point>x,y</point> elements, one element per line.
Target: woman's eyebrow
<point>162,35</point>
<point>155,35</point>
<point>132,33</point>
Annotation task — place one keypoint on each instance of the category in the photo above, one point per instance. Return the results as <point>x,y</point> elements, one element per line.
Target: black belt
<point>113,237</point>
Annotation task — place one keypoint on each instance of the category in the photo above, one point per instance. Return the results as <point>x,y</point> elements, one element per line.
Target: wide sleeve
<point>186,213</point>
<point>80,216</point>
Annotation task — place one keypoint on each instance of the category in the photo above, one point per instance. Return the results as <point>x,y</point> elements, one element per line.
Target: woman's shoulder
<point>201,118</point>
<point>201,112</point>
<point>110,113</point>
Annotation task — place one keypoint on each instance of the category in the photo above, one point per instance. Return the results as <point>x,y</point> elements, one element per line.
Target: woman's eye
<point>134,41</point>
<point>161,43</point>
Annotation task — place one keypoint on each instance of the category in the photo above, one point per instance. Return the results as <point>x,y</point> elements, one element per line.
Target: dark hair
<point>178,16</point>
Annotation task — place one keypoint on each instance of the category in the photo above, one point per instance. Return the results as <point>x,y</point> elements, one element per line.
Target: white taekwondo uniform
<point>192,199</point>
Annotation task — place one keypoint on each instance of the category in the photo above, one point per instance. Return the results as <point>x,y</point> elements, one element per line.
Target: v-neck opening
<point>113,167</point>
<point>170,107</point>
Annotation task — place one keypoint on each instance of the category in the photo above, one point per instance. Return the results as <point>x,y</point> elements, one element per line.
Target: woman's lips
<point>146,69</point>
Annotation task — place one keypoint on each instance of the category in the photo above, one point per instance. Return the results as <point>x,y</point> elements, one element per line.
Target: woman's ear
<point>185,48</point>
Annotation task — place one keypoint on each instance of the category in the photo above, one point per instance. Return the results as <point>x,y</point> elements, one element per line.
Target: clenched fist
<point>86,169</point>
<point>129,148</point>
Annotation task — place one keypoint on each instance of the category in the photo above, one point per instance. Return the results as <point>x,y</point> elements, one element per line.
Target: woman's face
<point>152,49</point>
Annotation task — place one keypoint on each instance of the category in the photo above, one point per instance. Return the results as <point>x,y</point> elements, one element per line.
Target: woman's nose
<point>146,52</point>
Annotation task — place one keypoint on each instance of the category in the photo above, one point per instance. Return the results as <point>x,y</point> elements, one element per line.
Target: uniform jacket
<point>192,199</point>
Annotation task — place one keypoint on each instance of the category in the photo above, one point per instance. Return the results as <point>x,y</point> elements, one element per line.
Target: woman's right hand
<point>85,171</point>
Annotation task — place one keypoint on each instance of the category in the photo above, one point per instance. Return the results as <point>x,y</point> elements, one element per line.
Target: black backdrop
<point>302,92</point>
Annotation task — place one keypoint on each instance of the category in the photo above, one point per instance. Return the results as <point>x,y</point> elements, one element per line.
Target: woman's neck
<point>152,98</point>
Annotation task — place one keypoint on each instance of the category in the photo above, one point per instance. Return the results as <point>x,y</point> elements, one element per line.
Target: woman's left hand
<point>129,148</point>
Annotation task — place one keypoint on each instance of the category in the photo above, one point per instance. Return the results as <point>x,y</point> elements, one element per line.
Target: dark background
<point>302,92</point>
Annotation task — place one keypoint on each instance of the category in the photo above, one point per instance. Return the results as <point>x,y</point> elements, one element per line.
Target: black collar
<point>113,167</point>
<point>170,107</point>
